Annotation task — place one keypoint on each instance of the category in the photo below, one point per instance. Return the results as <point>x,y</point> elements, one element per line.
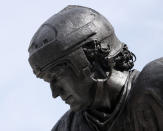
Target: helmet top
<point>66,32</point>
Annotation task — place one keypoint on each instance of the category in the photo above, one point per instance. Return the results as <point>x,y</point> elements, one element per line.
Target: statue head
<point>73,49</point>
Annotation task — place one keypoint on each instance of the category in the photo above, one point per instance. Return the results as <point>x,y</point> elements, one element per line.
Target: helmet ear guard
<point>97,53</point>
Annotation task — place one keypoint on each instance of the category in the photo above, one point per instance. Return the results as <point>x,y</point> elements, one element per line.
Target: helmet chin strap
<point>100,82</point>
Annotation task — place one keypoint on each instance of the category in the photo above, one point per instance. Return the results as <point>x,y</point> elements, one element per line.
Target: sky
<point>26,103</point>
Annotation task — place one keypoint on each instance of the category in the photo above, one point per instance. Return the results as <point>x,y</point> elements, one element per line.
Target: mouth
<point>68,99</point>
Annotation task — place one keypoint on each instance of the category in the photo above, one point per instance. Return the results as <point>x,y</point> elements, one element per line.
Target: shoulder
<point>63,121</point>
<point>146,97</point>
<point>149,81</point>
<point>152,74</point>
<point>155,67</point>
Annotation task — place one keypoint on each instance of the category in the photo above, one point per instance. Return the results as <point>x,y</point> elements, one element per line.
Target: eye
<point>55,82</point>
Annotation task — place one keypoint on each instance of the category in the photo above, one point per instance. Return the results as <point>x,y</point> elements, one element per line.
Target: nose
<point>55,94</point>
<point>55,90</point>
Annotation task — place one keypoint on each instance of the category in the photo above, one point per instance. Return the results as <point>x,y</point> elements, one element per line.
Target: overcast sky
<point>25,101</point>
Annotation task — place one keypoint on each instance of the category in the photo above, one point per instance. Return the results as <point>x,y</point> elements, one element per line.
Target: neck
<point>108,94</point>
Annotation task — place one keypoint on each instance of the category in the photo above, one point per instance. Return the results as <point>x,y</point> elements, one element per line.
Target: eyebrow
<point>54,74</point>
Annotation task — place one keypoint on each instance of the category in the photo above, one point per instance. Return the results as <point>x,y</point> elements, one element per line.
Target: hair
<point>98,57</point>
<point>125,59</point>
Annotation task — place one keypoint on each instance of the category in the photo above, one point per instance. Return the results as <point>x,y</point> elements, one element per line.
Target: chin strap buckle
<point>100,82</point>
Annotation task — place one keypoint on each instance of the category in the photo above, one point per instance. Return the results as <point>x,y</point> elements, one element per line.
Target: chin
<point>77,108</point>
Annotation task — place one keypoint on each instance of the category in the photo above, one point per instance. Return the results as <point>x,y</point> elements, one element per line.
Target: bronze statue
<point>78,53</point>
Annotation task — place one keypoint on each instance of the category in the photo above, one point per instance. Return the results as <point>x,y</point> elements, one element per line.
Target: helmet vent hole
<point>36,46</point>
<point>45,41</point>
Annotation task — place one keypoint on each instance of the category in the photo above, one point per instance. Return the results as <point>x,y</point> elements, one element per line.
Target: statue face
<point>75,91</point>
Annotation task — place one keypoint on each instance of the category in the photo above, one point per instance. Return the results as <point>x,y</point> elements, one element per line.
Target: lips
<point>68,99</point>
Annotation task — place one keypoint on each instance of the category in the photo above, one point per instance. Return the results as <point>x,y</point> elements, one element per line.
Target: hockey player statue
<point>78,53</point>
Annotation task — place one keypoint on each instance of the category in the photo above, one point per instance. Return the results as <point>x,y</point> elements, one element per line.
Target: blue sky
<point>26,103</point>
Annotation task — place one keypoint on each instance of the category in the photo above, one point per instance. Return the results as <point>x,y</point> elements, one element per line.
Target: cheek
<point>85,89</point>
<point>79,88</point>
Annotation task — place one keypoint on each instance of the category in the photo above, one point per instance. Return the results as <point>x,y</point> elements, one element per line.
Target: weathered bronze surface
<point>78,53</point>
